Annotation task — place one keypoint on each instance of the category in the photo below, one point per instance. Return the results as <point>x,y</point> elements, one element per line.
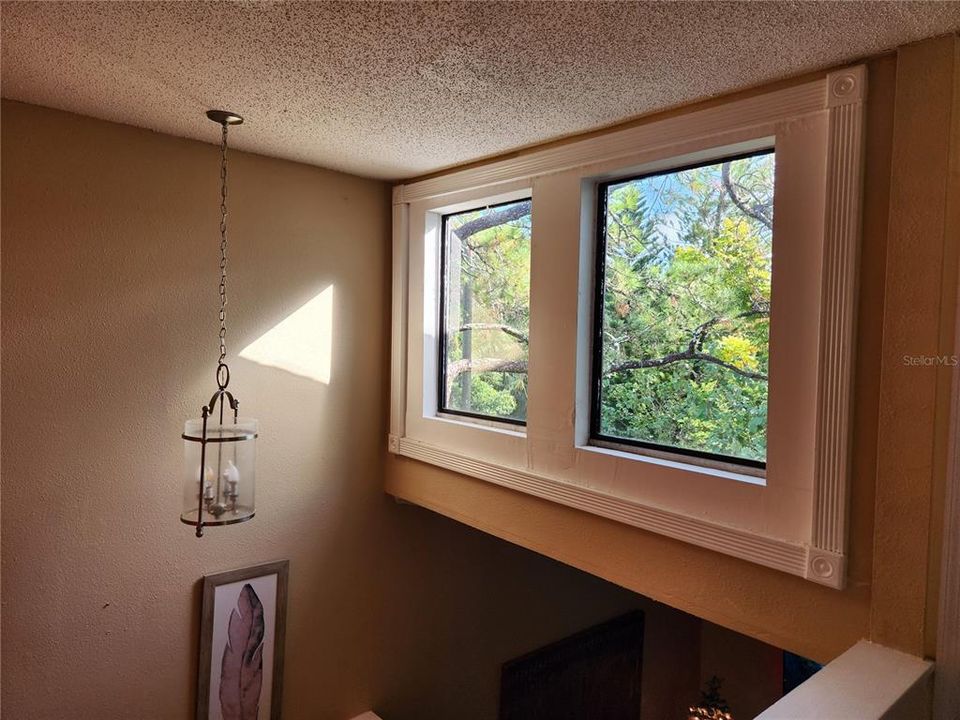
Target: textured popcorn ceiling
<point>392,90</point>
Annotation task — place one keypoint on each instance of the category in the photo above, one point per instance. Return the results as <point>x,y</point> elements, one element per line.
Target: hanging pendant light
<point>220,452</point>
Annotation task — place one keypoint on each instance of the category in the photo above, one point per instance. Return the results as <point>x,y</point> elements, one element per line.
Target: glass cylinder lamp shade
<point>219,471</point>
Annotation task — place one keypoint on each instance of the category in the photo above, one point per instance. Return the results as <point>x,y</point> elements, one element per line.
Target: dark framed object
<point>242,629</point>
<point>595,674</point>
<point>596,360</point>
<point>442,406</point>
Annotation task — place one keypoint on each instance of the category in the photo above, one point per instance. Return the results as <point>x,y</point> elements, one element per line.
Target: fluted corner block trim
<point>846,91</point>
<point>847,86</point>
<point>826,568</point>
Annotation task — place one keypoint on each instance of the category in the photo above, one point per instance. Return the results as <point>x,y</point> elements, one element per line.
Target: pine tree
<point>712,706</point>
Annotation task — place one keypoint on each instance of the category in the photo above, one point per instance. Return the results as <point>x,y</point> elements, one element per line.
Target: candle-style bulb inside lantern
<point>231,475</point>
<point>205,483</point>
<point>231,478</point>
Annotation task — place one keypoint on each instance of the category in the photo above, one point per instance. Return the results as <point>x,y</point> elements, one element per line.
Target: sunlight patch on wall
<point>301,342</point>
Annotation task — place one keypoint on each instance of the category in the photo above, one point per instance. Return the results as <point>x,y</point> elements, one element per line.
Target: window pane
<point>486,312</point>
<point>684,341</point>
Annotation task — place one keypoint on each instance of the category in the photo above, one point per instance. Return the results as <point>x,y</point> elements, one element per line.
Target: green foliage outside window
<point>487,311</point>
<point>686,308</point>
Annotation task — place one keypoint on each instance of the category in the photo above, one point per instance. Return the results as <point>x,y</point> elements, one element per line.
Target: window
<point>692,373</point>
<point>485,312</point>
<point>683,310</point>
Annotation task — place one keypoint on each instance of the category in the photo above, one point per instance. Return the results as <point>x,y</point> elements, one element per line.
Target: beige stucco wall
<point>109,276</point>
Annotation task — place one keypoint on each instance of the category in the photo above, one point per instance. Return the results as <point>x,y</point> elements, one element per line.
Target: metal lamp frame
<point>223,397</point>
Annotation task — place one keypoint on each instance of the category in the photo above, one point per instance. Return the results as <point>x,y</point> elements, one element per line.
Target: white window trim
<point>840,96</point>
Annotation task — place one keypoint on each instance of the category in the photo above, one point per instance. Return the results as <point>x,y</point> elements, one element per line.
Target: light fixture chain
<point>223,244</point>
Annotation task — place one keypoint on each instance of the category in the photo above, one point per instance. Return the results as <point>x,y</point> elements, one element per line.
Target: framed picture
<point>241,643</point>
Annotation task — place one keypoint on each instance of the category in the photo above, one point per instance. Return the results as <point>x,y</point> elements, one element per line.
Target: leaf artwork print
<point>241,671</point>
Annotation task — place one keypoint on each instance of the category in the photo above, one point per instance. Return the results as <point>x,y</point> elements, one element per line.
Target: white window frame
<point>433,248</point>
<point>795,518</point>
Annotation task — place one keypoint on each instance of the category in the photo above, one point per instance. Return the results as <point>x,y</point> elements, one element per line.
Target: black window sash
<point>596,372</point>
<point>442,344</point>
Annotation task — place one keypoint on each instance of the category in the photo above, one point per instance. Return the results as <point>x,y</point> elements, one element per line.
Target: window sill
<point>687,464</point>
<point>517,431</point>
